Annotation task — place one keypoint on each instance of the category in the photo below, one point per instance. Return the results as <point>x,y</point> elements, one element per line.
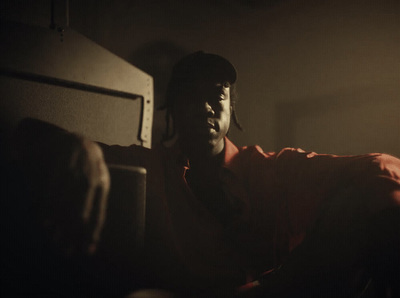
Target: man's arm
<point>354,235</point>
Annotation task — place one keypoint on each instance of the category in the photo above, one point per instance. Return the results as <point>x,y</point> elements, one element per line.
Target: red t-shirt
<point>277,198</point>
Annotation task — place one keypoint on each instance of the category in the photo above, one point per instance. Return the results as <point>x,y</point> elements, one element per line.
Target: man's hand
<point>68,181</point>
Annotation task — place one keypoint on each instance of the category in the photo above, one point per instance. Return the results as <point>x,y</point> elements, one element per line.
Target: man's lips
<point>211,124</point>
<point>207,126</point>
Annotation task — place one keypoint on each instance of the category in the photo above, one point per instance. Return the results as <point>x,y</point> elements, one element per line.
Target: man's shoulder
<point>258,152</point>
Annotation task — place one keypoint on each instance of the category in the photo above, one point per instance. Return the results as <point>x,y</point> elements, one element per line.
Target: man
<point>222,221</point>
<point>219,217</point>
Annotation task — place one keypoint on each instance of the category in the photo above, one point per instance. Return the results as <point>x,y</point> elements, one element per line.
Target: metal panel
<point>100,117</point>
<point>66,79</point>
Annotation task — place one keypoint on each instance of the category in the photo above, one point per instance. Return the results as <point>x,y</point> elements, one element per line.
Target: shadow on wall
<point>157,59</point>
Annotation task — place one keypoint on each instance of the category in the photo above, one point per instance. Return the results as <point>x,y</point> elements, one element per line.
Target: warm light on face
<point>202,114</point>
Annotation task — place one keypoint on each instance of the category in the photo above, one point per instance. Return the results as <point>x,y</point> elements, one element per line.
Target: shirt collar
<point>231,152</point>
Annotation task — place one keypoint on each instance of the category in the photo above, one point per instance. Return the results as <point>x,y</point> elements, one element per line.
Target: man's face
<point>202,115</point>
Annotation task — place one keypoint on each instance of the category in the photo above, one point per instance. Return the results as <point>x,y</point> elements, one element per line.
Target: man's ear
<point>231,109</point>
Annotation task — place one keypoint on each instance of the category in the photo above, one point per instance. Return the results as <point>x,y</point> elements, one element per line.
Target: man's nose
<point>209,109</point>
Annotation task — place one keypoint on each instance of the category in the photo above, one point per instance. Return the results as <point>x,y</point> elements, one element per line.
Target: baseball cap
<point>198,66</point>
<point>201,65</point>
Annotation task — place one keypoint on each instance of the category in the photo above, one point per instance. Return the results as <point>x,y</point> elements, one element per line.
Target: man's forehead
<point>202,90</point>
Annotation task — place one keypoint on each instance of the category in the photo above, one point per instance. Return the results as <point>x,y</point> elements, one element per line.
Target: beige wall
<point>341,57</point>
